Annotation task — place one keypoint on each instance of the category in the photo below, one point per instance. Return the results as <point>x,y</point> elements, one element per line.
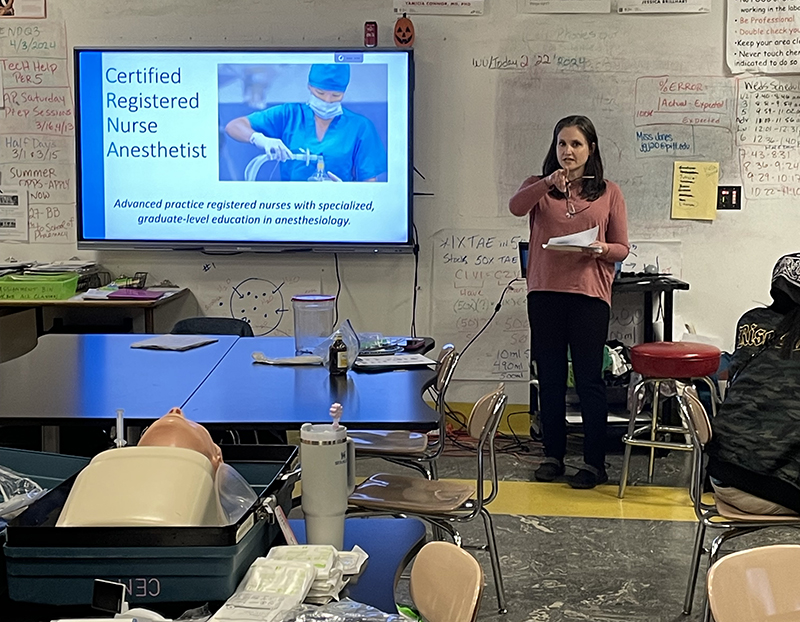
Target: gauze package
<point>353,561</point>
<point>289,578</point>
<point>329,579</point>
<point>270,588</point>
<point>323,557</point>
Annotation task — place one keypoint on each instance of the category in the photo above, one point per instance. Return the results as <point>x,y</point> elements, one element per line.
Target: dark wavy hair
<point>592,188</point>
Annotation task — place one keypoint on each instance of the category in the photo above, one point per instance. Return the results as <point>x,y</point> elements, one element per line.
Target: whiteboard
<point>473,269</point>
<point>489,90</point>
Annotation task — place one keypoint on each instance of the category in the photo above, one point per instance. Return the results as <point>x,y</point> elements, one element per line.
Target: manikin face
<point>573,151</point>
<point>174,430</point>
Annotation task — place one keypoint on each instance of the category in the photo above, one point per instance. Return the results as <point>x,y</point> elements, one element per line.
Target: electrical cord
<point>338,290</point>
<point>416,282</point>
<point>494,313</point>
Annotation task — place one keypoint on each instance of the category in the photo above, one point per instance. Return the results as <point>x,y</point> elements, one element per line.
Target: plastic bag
<point>236,496</point>
<point>345,610</point>
<point>198,614</point>
<point>16,492</point>
<point>350,338</point>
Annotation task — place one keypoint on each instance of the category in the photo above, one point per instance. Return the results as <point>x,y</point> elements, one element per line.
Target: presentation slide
<point>240,147</point>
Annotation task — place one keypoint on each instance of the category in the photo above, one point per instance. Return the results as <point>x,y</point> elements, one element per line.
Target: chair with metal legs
<point>717,515</point>
<point>408,448</point>
<point>756,584</point>
<point>446,583</point>
<point>443,503</point>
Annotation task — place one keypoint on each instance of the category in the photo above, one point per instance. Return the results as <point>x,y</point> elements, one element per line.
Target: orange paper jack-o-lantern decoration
<point>6,8</point>
<point>403,32</point>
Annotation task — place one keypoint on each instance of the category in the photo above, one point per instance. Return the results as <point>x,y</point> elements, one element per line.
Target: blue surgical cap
<point>330,77</point>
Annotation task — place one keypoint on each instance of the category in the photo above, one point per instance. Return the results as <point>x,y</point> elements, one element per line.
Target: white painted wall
<point>478,133</point>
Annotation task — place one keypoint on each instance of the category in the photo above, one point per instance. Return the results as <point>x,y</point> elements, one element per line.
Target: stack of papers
<point>96,293</point>
<point>13,264</point>
<point>574,242</point>
<point>129,293</point>
<point>70,265</point>
<point>393,361</point>
<point>174,342</point>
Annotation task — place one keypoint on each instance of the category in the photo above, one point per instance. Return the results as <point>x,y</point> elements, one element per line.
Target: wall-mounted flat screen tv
<point>240,150</point>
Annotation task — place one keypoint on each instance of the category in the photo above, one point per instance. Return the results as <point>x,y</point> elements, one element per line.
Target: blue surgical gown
<point>351,147</point>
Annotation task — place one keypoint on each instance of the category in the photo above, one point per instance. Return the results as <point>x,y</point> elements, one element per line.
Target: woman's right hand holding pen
<point>558,179</point>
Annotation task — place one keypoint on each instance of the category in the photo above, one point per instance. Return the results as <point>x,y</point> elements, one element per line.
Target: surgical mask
<point>323,109</point>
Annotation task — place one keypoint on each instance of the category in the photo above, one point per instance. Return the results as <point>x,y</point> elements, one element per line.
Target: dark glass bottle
<point>337,356</point>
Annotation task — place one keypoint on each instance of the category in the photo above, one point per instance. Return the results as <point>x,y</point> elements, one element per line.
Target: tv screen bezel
<point>214,246</point>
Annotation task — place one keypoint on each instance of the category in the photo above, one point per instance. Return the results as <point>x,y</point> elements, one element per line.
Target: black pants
<point>559,320</point>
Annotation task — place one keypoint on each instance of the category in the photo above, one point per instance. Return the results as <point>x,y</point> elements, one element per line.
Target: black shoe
<point>587,477</point>
<point>548,471</point>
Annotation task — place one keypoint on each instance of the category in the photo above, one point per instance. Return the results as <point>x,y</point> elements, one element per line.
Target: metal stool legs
<point>655,427</point>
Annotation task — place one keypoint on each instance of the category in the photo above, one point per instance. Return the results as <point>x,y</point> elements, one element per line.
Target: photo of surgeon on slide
<point>326,122</point>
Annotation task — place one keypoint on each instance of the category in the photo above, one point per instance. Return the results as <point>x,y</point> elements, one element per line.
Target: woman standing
<point>569,294</point>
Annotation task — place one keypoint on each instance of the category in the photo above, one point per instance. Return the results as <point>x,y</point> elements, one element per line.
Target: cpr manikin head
<point>175,430</point>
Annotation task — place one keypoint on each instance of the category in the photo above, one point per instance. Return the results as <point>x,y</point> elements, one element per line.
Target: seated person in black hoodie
<point>754,454</point>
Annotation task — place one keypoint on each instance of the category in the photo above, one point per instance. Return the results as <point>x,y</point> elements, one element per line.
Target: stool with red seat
<point>659,362</point>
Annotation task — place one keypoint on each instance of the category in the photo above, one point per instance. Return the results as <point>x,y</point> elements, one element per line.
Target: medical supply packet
<point>269,588</point>
<point>323,557</point>
<point>329,579</point>
<point>353,561</point>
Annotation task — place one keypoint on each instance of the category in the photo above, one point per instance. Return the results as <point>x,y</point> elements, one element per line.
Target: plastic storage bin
<point>57,565</point>
<point>47,470</point>
<point>38,286</point>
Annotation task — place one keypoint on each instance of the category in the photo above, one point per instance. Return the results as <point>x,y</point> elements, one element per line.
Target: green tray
<point>56,286</point>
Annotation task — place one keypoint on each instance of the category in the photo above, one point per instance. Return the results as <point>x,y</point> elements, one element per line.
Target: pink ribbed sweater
<point>559,271</point>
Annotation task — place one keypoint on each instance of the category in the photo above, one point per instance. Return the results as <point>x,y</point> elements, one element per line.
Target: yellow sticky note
<point>694,190</point>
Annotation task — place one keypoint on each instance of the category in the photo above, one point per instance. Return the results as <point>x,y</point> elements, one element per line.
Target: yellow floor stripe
<point>558,499</point>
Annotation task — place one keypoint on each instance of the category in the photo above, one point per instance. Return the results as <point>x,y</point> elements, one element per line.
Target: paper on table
<point>574,241</point>
<point>305,359</point>
<point>394,360</point>
<point>94,293</point>
<point>174,342</point>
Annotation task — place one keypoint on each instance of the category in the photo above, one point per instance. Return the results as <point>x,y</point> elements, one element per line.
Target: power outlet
<point>729,197</point>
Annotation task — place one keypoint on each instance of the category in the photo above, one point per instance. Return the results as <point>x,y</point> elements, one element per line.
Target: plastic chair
<point>756,584</point>
<point>445,502</point>
<point>659,363</point>
<point>718,514</point>
<point>212,326</point>
<point>446,583</point>
<point>407,448</point>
